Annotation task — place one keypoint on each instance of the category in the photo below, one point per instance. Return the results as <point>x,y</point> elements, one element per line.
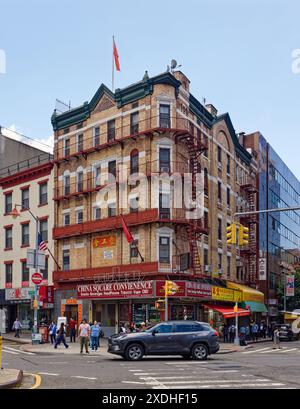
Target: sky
<point>237,54</point>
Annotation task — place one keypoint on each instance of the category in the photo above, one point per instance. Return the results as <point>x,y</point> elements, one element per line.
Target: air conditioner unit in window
<point>165,169</point>
<point>207,268</point>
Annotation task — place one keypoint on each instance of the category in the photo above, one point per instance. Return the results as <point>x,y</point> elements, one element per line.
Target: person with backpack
<point>61,336</point>
<point>52,332</point>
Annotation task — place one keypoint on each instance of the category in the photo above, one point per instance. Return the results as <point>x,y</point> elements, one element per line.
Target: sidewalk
<point>25,338</point>
<point>9,378</point>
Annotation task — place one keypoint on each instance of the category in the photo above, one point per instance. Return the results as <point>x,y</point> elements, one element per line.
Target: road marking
<point>273,350</point>
<point>38,380</point>
<point>83,377</point>
<point>256,350</point>
<point>210,381</point>
<point>9,352</point>
<point>48,373</point>
<point>19,351</point>
<point>186,363</point>
<point>244,385</point>
<point>289,350</point>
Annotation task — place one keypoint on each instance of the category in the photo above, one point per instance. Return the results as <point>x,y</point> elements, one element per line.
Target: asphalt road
<point>259,367</point>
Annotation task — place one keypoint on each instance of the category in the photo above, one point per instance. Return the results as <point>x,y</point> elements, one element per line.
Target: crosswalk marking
<point>18,351</point>
<point>83,377</point>
<point>255,350</point>
<point>9,352</point>
<point>48,373</point>
<point>289,350</point>
<point>244,385</point>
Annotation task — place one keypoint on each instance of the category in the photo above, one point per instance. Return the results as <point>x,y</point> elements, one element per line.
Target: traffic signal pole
<point>282,209</point>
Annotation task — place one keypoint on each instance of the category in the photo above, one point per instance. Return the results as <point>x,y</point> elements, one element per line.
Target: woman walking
<point>52,332</point>
<point>61,336</point>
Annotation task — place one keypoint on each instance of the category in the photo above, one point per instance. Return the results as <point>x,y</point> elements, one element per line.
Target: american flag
<point>42,244</point>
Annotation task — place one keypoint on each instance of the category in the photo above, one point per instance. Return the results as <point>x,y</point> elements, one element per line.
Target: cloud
<point>44,144</point>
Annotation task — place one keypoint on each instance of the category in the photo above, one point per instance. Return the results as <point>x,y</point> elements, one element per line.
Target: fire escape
<point>251,221</point>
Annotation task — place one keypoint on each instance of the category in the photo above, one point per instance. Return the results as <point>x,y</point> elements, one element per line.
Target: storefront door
<point>106,314</point>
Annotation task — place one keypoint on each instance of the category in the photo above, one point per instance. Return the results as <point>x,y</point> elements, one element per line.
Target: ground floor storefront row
<point>142,301</point>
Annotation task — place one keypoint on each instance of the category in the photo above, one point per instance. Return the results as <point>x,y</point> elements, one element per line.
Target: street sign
<point>41,259</point>
<point>37,278</point>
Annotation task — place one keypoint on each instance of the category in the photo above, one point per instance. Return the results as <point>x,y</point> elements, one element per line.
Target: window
<point>219,261</point>
<point>134,123</point>
<point>8,203</point>
<point>8,275</point>
<point>164,160</point>
<point>205,182</point>
<point>25,198</point>
<point>192,128</point>
<point>97,173</point>
<point>80,142</point>
<point>228,266</point>
<point>219,155</point>
<point>44,271</point>
<point>67,185</point>
<point>273,281</point>
<point>67,147</point>
<point>79,181</point>
<point>43,193</point>
<point>134,204</point>
<point>164,250</point>
<point>97,213</point>
<point>205,257</point>
<point>164,116</point>
<point>79,216</point>
<point>111,209</point>
<point>133,249</point>
<point>134,161</point>
<point>219,192</point>
<point>66,260</point>
<point>184,328</point>
<point>219,229</point>
<point>25,273</point>
<point>96,136</point>
<point>228,164</point>
<point>164,328</point>
<point>44,229</point>
<point>205,219</point>
<point>205,141</point>
<point>111,130</point>
<point>25,234</point>
<point>184,261</point>
<point>66,218</point>
<point>164,206</point>
<point>112,171</point>
<point>228,197</point>
<point>8,238</point>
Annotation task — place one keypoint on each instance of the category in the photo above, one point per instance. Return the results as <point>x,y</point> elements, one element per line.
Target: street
<point>258,367</point>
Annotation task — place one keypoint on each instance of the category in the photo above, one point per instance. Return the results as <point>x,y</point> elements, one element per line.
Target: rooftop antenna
<point>61,106</point>
<point>173,66</point>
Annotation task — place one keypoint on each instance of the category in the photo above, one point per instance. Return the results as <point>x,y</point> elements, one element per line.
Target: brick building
<point>153,127</point>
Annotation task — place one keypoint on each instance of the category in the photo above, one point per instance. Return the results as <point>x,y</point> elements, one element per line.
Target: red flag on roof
<point>127,233</point>
<point>116,56</point>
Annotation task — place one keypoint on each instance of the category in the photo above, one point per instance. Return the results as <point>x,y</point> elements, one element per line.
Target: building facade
<point>26,184</point>
<point>279,232</point>
<point>109,154</point>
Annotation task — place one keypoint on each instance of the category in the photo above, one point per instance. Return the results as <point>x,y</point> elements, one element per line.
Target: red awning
<point>228,312</point>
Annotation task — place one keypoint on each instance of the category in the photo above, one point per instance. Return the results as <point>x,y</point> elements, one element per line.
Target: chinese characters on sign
<point>105,241</point>
<point>226,294</point>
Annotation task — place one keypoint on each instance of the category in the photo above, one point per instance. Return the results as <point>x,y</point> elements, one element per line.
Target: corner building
<point>155,126</point>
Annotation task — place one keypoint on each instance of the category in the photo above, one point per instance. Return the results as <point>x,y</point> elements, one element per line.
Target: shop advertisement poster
<point>290,286</point>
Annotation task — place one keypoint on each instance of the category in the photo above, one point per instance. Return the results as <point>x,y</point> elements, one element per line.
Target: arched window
<point>205,182</point>
<point>134,161</point>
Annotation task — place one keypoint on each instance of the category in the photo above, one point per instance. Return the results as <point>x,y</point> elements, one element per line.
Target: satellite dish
<point>173,64</point>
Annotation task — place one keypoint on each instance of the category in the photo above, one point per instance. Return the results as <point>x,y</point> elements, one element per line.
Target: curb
<point>12,384</point>
<point>23,348</point>
<point>231,351</point>
<point>17,340</point>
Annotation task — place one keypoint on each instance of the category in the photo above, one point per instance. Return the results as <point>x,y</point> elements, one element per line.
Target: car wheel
<point>186,356</point>
<point>134,352</point>
<point>199,352</point>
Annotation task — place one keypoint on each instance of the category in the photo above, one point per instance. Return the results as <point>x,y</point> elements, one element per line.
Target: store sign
<point>262,269</point>
<point>106,241</point>
<point>273,301</point>
<point>198,290</point>
<point>108,254</point>
<point>226,294</point>
<point>290,286</point>
<point>160,289</point>
<point>46,293</point>
<point>18,293</point>
<point>134,289</point>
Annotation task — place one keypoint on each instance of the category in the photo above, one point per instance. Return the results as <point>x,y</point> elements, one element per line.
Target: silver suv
<point>187,338</point>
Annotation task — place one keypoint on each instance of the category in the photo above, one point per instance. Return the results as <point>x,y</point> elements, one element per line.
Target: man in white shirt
<point>84,335</point>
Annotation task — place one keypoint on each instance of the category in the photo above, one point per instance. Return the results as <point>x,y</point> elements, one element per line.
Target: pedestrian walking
<point>243,336</point>
<point>17,326</point>
<point>255,331</point>
<point>52,332</point>
<point>61,336</point>
<point>276,339</point>
<point>231,333</point>
<point>226,333</point>
<point>95,335</point>
<point>84,335</point>
<point>72,329</point>
<point>122,329</point>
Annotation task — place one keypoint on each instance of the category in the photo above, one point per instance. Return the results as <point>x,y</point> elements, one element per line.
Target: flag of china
<point>116,56</point>
<point>127,233</point>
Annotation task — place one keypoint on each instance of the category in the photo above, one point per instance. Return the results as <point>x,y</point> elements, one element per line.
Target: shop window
<point>8,203</point>
<point>25,234</point>
<point>164,249</point>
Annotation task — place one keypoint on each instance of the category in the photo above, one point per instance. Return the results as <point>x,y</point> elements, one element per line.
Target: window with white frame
<point>79,216</point>
<point>67,184</point>
<point>66,219</point>
<point>80,181</point>
<point>96,132</point>
<point>97,213</point>
<point>164,249</point>
<point>97,175</point>
<point>80,142</point>
<point>67,147</point>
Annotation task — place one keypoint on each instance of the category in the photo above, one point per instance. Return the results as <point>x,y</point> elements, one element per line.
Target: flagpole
<point>113,68</point>
<point>54,259</point>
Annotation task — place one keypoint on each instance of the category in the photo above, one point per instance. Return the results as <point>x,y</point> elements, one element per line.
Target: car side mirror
<point>154,332</point>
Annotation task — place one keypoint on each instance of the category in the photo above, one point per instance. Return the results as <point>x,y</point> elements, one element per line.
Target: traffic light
<point>160,305</point>
<point>231,234</point>
<point>170,288</point>
<point>34,304</point>
<point>243,235</point>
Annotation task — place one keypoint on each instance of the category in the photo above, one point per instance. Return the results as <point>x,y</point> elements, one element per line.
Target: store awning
<point>228,311</point>
<point>254,306</point>
<point>248,293</point>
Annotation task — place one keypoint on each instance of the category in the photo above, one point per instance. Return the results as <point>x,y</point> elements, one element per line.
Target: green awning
<point>254,306</point>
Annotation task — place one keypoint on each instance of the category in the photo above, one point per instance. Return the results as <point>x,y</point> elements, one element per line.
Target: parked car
<point>286,332</point>
<point>187,338</point>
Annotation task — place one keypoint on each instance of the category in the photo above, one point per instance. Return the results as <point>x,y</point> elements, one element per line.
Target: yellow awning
<point>248,293</point>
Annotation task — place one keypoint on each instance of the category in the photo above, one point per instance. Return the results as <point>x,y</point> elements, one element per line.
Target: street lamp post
<point>15,214</point>
<point>236,340</point>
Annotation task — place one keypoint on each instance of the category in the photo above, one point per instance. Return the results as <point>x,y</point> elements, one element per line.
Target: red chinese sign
<point>105,241</point>
<point>134,289</point>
